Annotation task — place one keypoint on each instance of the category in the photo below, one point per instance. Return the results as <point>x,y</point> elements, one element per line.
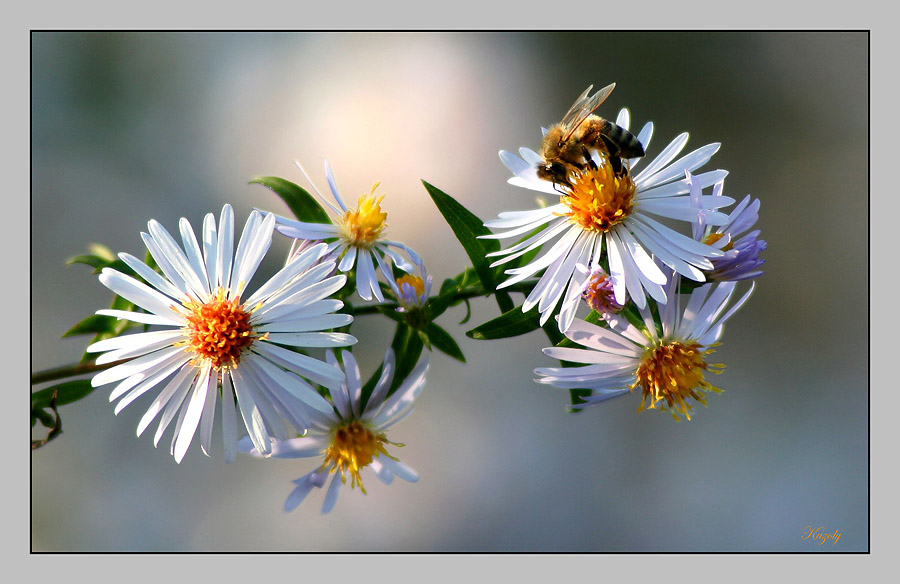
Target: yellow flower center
<point>714,237</point>
<point>354,446</point>
<point>362,226</point>
<point>218,331</point>
<point>416,282</point>
<point>599,199</point>
<point>673,373</point>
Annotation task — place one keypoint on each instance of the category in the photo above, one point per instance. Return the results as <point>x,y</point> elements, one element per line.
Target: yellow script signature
<point>810,533</point>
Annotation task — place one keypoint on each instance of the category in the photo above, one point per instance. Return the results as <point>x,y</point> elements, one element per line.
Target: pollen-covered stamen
<point>673,373</point>
<point>218,331</point>
<point>599,293</point>
<point>598,198</point>
<point>362,226</point>
<point>354,446</point>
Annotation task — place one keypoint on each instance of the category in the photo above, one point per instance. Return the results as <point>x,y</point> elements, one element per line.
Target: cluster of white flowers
<point>658,300</point>
<point>252,353</point>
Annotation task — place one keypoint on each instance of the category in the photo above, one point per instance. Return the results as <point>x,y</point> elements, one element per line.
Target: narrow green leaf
<point>467,227</point>
<point>90,260</point>
<point>444,342</point>
<point>95,324</point>
<point>67,392</point>
<point>509,324</point>
<point>302,204</point>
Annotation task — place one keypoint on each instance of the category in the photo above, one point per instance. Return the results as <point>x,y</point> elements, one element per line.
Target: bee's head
<point>553,171</point>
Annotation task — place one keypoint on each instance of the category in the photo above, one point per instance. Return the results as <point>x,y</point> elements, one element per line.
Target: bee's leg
<point>587,156</point>
<point>616,164</point>
<point>614,160</point>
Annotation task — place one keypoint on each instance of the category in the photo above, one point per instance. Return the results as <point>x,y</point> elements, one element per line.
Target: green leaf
<point>95,324</point>
<point>468,227</point>
<point>509,324</point>
<point>444,342</point>
<point>67,392</point>
<point>302,204</point>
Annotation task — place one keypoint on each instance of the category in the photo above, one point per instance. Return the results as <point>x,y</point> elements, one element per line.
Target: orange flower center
<point>598,199</point>
<point>599,294</point>
<point>218,331</point>
<point>671,374</point>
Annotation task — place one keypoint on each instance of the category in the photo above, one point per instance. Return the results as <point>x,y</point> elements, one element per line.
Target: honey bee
<point>566,145</point>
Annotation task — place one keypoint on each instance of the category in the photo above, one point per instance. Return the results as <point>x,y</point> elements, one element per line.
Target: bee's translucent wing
<point>583,107</point>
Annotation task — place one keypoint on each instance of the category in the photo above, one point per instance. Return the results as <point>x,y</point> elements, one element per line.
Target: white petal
<point>250,411</point>
<point>354,383</point>
<point>151,277</point>
<point>139,365</point>
<point>151,379</point>
<point>295,385</point>
<point>304,486</point>
<point>318,339</point>
<point>667,155</point>
<point>173,406</point>
<point>176,257</point>
<point>332,494</point>
<point>192,416</point>
<point>229,420</point>
<point>309,367</point>
<point>210,245</point>
<point>140,294</point>
<point>209,414</point>
<point>677,169</point>
<point>287,274</point>
<point>143,317</point>
<point>399,469</point>
<point>316,323</point>
<point>133,341</point>
<point>384,382</point>
<point>225,247</point>
<point>404,396</point>
<point>194,256</point>
<point>180,383</point>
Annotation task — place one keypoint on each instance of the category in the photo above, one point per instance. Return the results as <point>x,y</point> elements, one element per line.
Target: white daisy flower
<point>216,342</point>
<point>607,218</point>
<point>352,436</point>
<point>668,367</point>
<point>740,247</point>
<point>359,236</point>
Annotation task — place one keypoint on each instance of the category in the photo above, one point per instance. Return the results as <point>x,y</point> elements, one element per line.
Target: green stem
<point>71,371</point>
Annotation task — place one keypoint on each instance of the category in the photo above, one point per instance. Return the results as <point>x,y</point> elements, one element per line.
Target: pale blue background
<point>128,127</point>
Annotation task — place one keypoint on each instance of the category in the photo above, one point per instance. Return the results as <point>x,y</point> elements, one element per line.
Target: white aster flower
<point>358,234</point>
<point>216,342</point>
<point>352,436</point>
<point>604,217</point>
<point>669,367</point>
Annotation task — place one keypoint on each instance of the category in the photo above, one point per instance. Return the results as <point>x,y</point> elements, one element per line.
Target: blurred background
<point>132,126</point>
